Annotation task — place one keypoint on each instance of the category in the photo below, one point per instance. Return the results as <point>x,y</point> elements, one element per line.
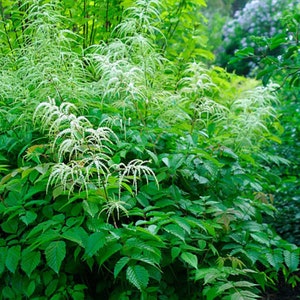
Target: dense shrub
<point>287,199</point>
<point>284,68</point>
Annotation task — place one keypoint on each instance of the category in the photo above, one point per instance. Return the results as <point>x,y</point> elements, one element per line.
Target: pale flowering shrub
<point>257,18</point>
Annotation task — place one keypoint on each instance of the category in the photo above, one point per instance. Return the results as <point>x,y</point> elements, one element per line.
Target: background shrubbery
<point>256,19</point>
<point>274,55</point>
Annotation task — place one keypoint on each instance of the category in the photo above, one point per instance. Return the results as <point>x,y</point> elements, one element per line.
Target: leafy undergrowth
<point>277,59</point>
<point>125,177</point>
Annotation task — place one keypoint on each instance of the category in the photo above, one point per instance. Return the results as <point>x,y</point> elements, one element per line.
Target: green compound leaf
<point>55,254</point>
<point>30,260</point>
<point>138,276</point>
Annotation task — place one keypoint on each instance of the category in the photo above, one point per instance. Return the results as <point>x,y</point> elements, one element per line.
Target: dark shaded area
<point>284,292</point>
<point>237,5</point>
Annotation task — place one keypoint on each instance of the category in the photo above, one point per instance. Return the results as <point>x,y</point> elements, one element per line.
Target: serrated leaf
<point>30,289</point>
<point>209,227</point>
<point>261,237</point>
<point>177,160</point>
<point>55,254</point>
<point>212,166</point>
<point>244,295</point>
<point>153,156</point>
<point>58,296</point>
<point>201,179</point>
<point>229,153</point>
<point>142,199</point>
<point>253,255</point>
<point>275,259</point>
<point>244,283</point>
<point>224,287</point>
<point>149,246</point>
<point>190,259</point>
<point>33,190</point>
<point>245,52</point>
<point>51,287</point>
<point>12,258</point>
<point>175,252</point>
<point>94,242</point>
<point>213,249</point>
<point>291,260</point>
<point>10,226</point>
<point>147,259</point>
<point>201,244</point>
<point>108,251</point>
<point>3,252</point>
<point>30,260</point>
<point>176,231</point>
<point>44,238</point>
<point>120,265</point>
<point>138,276</point>
<point>77,235</point>
<point>212,276</point>
<point>164,203</point>
<point>211,293</point>
<point>29,217</point>
<point>47,277</point>
<point>166,161</point>
<point>8,293</point>
<point>277,41</point>
<point>185,247</point>
<point>91,208</point>
<point>148,234</point>
<point>261,279</point>
<point>41,227</point>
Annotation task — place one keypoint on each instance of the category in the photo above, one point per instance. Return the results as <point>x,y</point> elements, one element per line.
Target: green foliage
<point>256,19</point>
<point>283,67</point>
<point>138,276</point>
<point>55,254</point>
<point>183,24</point>
<point>133,170</point>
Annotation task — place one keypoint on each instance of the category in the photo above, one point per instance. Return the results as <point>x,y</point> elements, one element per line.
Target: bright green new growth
<point>250,115</point>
